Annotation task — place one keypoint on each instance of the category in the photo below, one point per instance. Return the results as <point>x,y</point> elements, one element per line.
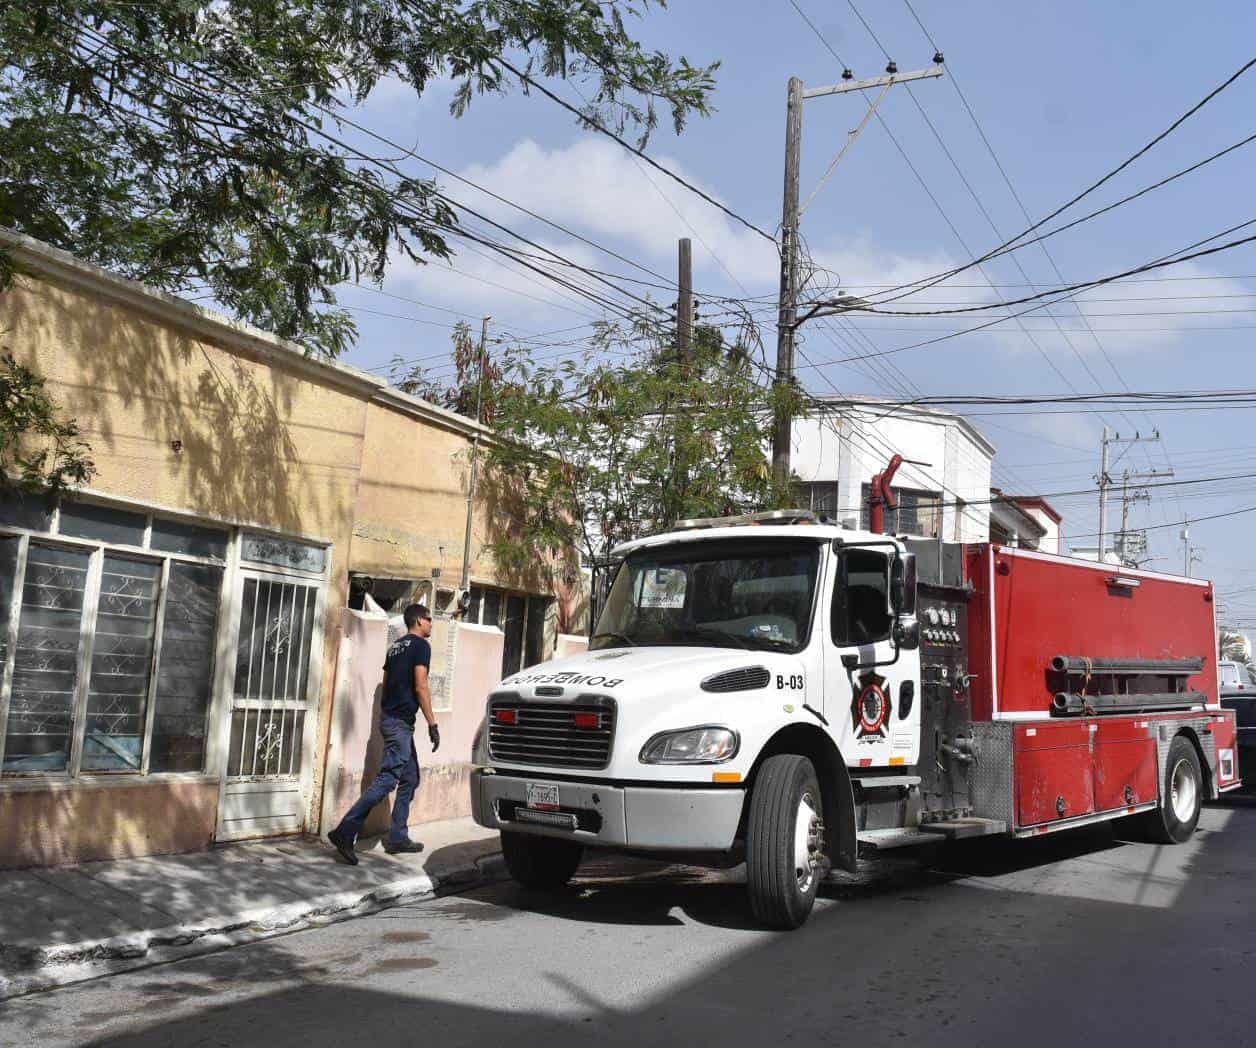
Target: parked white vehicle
<point>705,673</point>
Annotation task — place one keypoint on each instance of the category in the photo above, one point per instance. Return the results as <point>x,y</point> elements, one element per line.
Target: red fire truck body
<point>780,690</point>
<point>1081,674</point>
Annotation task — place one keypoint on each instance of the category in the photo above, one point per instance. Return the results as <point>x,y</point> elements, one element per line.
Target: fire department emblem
<point>870,710</point>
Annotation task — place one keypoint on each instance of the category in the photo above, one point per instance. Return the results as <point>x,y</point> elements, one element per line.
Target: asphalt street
<point>1063,940</point>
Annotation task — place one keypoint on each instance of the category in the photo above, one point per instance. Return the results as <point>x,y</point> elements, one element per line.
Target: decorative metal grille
<point>45,661</point>
<point>121,667</point>
<point>272,674</point>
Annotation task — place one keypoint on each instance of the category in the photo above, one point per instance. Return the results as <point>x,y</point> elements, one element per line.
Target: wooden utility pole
<point>475,461</point>
<point>788,305</point>
<point>1105,480</point>
<point>684,302</point>
<point>787,312</point>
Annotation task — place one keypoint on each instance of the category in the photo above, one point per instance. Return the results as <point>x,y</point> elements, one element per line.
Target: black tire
<point>1168,824</point>
<point>540,862</point>
<point>777,897</point>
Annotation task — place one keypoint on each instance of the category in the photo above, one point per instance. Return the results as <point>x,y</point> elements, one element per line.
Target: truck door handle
<point>906,696</point>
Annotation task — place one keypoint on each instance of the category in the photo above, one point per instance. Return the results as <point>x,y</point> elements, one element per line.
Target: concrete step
<point>894,837</point>
<point>960,829</point>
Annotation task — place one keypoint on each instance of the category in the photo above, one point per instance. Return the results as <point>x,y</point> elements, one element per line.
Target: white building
<point>840,445</point>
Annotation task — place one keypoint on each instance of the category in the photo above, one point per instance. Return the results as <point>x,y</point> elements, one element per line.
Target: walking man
<point>405,694</point>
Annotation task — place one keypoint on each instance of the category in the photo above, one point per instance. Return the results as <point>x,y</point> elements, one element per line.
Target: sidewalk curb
<point>46,968</point>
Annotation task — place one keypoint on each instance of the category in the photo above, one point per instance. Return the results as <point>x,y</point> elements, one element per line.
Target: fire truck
<point>782,691</point>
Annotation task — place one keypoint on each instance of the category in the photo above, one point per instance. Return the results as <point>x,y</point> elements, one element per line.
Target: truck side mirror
<point>903,584</point>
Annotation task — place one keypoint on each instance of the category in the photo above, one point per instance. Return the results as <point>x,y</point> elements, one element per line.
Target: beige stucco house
<point>171,637</point>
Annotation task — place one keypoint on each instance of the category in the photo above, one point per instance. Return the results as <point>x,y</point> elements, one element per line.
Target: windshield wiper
<point>614,636</point>
<point>706,633</point>
<point>774,643</point>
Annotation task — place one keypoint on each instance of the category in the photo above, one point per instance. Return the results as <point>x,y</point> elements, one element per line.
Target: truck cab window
<point>737,595</point>
<point>861,612</point>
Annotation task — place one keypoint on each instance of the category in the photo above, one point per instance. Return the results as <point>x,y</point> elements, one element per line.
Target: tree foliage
<point>1233,645</point>
<point>622,440</point>
<point>205,143</point>
<point>40,452</point>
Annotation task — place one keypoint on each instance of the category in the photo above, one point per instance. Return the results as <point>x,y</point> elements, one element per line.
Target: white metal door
<point>274,694</point>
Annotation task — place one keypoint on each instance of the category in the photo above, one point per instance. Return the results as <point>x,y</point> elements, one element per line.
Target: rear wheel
<point>1181,799</point>
<point>784,841</point>
<point>540,862</point>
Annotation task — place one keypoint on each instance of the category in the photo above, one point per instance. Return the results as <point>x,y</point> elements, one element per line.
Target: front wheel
<point>1183,796</point>
<point>540,862</point>
<point>784,841</point>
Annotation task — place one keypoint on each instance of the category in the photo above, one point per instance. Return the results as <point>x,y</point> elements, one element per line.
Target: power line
<point>919,285</point>
<point>598,126</point>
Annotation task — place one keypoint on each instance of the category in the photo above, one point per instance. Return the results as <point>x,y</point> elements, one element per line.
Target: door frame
<point>229,647</point>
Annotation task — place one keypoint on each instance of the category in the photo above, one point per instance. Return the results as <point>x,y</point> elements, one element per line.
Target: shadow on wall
<point>134,383</point>
<point>51,827</point>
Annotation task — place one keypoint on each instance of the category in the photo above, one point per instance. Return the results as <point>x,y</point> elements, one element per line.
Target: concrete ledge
<point>33,970</point>
<point>25,970</point>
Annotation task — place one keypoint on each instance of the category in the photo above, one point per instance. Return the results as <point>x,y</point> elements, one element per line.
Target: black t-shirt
<point>400,699</point>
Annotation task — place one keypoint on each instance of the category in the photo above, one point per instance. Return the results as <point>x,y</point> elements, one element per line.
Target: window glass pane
<point>861,607</point>
<point>492,607</point>
<point>171,536</point>
<point>26,511</point>
<point>86,521</point>
<point>276,630</point>
<point>185,673</point>
<point>512,627</point>
<point>476,598</point>
<point>272,675</point>
<point>8,567</point>
<point>534,643</point>
<point>262,549</point>
<point>122,663</point>
<point>45,667</point>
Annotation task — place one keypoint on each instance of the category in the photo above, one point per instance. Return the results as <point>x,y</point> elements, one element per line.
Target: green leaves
<point>196,143</point>
<point>592,453</point>
<point>39,451</point>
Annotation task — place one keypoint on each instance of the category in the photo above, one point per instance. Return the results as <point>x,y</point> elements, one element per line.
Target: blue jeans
<point>399,770</point>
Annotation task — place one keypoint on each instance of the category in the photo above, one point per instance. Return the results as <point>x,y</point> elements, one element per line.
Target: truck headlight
<point>708,744</point>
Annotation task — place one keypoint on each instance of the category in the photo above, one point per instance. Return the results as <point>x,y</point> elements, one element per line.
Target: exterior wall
<point>256,446</point>
<point>45,827</point>
<point>191,415</point>
<point>855,440</point>
<point>412,503</point>
<point>1051,541</point>
<point>354,752</point>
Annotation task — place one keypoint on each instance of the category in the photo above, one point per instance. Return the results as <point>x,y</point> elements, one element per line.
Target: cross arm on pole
<point>873,82</point>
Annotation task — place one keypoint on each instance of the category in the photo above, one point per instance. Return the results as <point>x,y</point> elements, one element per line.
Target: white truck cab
<point>738,669</point>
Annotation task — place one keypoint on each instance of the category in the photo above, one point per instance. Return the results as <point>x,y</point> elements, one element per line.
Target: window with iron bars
<point>108,626</point>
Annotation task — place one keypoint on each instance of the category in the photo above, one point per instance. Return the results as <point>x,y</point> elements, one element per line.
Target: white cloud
<point>596,189</point>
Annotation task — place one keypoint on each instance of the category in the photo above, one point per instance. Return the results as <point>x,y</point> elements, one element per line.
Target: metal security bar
<point>272,676</point>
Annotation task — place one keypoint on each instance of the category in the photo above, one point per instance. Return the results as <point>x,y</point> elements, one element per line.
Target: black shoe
<point>344,845</point>
<point>413,847</point>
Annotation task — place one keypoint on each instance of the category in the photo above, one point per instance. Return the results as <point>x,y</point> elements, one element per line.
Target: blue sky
<point>1063,91</point>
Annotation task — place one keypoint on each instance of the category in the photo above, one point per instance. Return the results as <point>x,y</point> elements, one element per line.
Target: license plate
<point>542,796</point>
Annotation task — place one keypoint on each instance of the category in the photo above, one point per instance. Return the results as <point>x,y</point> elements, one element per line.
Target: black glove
<point>433,733</point>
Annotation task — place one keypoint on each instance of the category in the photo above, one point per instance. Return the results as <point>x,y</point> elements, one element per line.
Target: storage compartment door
<point>1125,774</point>
<point>1054,774</point>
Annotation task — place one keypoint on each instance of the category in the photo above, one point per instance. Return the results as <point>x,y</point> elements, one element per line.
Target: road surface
<point>1073,939</point>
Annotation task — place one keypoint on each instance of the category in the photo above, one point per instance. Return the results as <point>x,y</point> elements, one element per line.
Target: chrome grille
<point>545,733</point>
<point>748,678</point>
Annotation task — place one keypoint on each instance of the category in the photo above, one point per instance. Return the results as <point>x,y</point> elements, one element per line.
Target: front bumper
<point>659,818</point>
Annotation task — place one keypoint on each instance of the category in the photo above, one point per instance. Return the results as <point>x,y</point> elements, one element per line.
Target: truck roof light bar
<point>772,516</point>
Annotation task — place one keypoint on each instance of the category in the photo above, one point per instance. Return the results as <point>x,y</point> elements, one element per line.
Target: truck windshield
<point>741,595</point>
